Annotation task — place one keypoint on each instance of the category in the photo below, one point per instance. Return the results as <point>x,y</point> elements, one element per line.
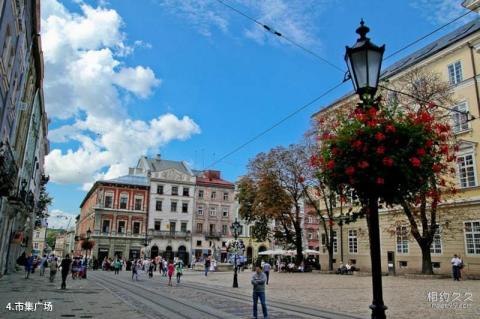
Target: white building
<point>172,191</point>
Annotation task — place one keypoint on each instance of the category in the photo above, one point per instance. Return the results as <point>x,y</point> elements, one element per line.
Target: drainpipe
<point>472,58</point>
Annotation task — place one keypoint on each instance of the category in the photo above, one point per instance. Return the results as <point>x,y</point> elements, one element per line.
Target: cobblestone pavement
<point>81,299</point>
<point>405,298</point>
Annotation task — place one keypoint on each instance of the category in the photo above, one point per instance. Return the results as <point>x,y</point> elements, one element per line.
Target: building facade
<point>39,241</point>
<point>213,215</point>
<point>172,191</point>
<point>115,212</point>
<point>455,57</point>
<point>23,128</point>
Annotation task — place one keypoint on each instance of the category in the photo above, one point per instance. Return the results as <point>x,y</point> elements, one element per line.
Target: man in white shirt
<point>456,263</point>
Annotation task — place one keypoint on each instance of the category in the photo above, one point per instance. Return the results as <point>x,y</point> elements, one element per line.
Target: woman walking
<point>53,268</point>
<point>171,270</point>
<point>134,270</point>
<point>179,269</point>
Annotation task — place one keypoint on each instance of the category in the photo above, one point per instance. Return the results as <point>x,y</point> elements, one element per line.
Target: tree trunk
<point>299,246</point>
<point>330,259</point>
<point>427,268</point>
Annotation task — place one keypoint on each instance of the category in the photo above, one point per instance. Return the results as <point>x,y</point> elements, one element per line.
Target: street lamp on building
<point>235,228</point>
<point>364,61</point>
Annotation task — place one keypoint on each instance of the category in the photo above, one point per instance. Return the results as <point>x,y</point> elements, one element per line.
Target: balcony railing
<point>117,207</point>
<point>8,170</point>
<point>213,235</point>
<point>169,234</point>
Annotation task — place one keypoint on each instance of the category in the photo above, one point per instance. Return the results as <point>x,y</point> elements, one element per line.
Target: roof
<point>128,180</point>
<point>420,55</point>
<point>212,178</point>
<point>157,165</point>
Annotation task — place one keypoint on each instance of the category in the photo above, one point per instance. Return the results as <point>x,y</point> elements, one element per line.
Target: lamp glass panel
<point>374,62</point>
<point>359,64</point>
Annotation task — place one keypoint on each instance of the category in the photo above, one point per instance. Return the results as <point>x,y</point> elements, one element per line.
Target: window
<point>225,196</point>
<point>436,247</point>
<point>199,243</point>
<point>35,245</point>
<point>160,189</point>
<point>37,234</point>
<point>200,193</point>
<point>324,240</point>
<point>250,229</point>
<point>158,205</point>
<point>335,243</point>
<point>183,227</point>
<point>472,237</point>
<point>224,244</point>
<point>224,229</point>
<point>6,49</point>
<point>173,207</point>
<point>184,207</point>
<point>310,220</point>
<point>225,212</point>
<point>213,211</point>
<point>402,239</point>
<point>310,235</point>
<point>213,195</point>
<point>455,75</point>
<point>121,227</point>
<point>108,200</point>
<point>173,226</point>
<point>138,203</point>
<point>175,190</point>
<point>106,226</point>
<point>199,227</point>
<point>352,241</point>
<point>123,201</point>
<point>212,228</point>
<point>435,265</point>
<point>136,228</point>
<point>157,225</point>
<point>186,191</point>
<point>200,210</point>
<point>403,264</point>
<point>460,117</point>
<point>466,170</point>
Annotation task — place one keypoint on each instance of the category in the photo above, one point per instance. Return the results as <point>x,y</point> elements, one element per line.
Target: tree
<point>272,190</point>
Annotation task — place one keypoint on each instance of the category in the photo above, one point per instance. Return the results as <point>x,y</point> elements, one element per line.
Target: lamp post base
<point>378,311</point>
<point>235,279</point>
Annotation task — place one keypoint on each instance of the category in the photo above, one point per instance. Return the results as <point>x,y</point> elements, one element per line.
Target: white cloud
<point>439,11</point>
<point>61,219</point>
<point>84,80</point>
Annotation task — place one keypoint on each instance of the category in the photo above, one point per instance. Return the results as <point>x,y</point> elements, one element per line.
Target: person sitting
<point>342,269</point>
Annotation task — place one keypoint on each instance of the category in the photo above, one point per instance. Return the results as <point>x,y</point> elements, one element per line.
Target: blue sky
<point>192,79</point>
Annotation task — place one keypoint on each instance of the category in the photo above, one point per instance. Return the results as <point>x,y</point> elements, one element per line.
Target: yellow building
<point>38,241</point>
<point>456,58</point>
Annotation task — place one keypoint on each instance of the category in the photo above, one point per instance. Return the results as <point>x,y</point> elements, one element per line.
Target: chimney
<point>158,157</point>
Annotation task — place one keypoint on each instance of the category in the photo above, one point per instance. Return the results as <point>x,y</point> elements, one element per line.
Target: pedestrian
<point>65,264</point>
<point>179,269</point>
<point>171,270</point>
<point>456,263</point>
<point>460,269</point>
<point>258,281</point>
<point>266,269</point>
<point>43,265</point>
<point>207,265</point>
<point>164,267</point>
<point>151,267</point>
<point>116,266</point>
<point>53,265</point>
<point>28,265</point>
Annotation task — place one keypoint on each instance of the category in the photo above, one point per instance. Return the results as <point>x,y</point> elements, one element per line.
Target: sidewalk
<point>82,299</point>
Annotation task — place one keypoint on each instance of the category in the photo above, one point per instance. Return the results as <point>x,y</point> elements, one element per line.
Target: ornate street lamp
<point>235,228</point>
<point>364,62</point>
<point>89,232</point>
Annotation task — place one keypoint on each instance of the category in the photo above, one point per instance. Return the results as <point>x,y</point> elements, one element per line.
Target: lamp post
<point>235,228</point>
<point>364,61</point>
<point>89,232</point>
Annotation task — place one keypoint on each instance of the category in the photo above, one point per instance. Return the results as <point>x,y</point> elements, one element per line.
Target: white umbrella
<point>310,252</point>
<point>278,252</point>
<point>290,253</point>
<point>266,252</point>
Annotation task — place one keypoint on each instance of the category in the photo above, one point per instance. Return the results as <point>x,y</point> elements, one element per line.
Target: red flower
<point>380,181</point>
<point>350,170</point>
<point>428,143</point>
<point>357,144</point>
<point>379,136</point>
<point>390,129</point>
<point>424,117</point>
<point>372,123</point>
<point>415,162</point>
<point>380,150</point>
<point>444,149</point>
<point>372,112</point>
<point>387,161</point>
<point>436,168</point>
<point>335,151</point>
<point>330,164</point>
<point>421,152</point>
<point>363,164</point>
<point>360,117</point>
<point>313,160</point>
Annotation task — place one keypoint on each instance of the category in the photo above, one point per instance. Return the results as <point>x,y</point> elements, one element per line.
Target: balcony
<point>8,170</point>
<point>213,235</point>
<point>114,234</point>
<point>163,234</point>
<point>130,208</point>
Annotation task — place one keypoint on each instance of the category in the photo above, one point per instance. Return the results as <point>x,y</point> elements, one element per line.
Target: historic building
<point>39,241</point>
<point>115,212</point>
<point>456,58</point>
<point>213,214</point>
<point>172,191</point>
<point>23,128</point>
<point>311,228</point>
